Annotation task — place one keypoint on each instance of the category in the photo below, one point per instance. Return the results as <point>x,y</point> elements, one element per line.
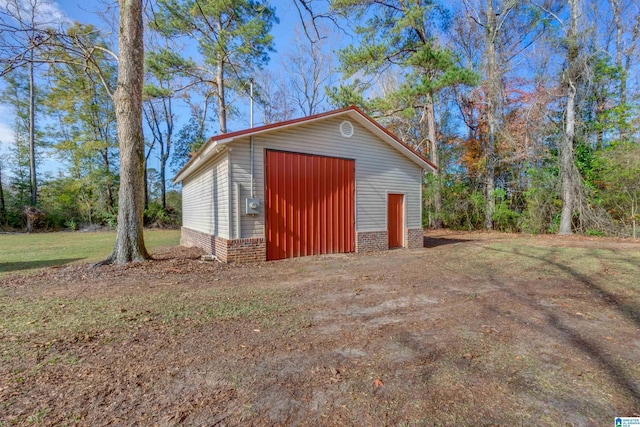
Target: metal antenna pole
<point>251,103</point>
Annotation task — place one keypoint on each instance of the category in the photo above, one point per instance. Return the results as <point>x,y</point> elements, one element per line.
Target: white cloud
<point>49,12</point>
<point>6,134</point>
<point>6,130</point>
<point>46,13</point>
<point>6,138</point>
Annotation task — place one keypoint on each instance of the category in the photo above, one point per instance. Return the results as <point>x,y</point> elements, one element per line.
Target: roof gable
<point>215,143</point>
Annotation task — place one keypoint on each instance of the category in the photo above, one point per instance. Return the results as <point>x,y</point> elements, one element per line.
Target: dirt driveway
<point>474,329</point>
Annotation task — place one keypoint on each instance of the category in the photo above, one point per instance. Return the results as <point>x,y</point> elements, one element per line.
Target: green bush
<point>504,219</point>
<point>110,219</point>
<point>156,216</point>
<point>462,206</point>
<point>542,203</point>
<point>53,220</point>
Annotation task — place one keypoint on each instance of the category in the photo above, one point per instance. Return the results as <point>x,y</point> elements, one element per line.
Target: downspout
<point>251,161</point>
<point>229,198</point>
<point>237,200</point>
<point>214,183</point>
<point>251,137</point>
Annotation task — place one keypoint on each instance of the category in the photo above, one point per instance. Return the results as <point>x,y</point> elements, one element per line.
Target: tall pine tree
<point>232,36</point>
<point>399,35</point>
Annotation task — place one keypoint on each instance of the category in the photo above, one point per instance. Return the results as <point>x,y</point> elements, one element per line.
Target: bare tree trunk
<point>567,174</point>
<point>146,175</point>
<point>164,140</point>
<point>163,161</point>
<point>493,94</point>
<point>152,122</point>
<point>566,164</point>
<point>100,133</point>
<point>616,9</point>
<point>164,153</point>
<point>146,186</point>
<point>222,109</point>
<point>163,184</point>
<point>202,120</point>
<point>107,168</point>
<point>601,108</point>
<point>433,148</point>
<point>32,136</point>
<point>129,244</point>
<point>3,209</point>
<point>634,208</point>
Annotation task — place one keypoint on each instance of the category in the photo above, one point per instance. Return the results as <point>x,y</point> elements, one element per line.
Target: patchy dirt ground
<point>474,329</point>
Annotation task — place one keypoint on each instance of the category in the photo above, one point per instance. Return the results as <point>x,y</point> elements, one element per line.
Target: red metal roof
<point>301,120</point>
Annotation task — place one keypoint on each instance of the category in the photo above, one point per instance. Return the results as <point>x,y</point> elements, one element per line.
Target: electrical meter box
<point>253,206</point>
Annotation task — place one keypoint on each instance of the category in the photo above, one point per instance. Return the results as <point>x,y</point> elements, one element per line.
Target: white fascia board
<point>206,155</point>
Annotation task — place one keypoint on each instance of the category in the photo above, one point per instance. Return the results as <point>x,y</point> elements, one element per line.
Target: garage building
<point>328,183</point>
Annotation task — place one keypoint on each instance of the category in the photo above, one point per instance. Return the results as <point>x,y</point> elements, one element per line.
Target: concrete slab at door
<point>395,220</point>
<point>309,205</point>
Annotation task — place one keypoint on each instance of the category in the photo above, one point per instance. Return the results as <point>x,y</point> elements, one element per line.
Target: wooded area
<point>529,108</point>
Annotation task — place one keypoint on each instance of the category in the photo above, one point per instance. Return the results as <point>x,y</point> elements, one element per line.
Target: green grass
<point>22,252</point>
<point>51,318</point>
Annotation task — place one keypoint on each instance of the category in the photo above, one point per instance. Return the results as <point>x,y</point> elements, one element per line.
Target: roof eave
<point>210,149</point>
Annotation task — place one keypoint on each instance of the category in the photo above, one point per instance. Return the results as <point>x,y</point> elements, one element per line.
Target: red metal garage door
<point>309,205</point>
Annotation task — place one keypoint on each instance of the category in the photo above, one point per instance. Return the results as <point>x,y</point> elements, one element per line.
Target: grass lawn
<point>19,252</point>
<point>473,329</point>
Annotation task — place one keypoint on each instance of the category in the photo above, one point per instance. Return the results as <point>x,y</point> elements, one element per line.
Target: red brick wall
<point>368,241</point>
<point>198,239</point>
<point>220,248</point>
<point>246,250</point>
<point>238,250</point>
<point>255,250</point>
<point>415,238</point>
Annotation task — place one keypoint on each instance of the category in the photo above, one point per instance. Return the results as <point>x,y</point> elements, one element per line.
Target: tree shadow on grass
<point>433,242</point>
<point>625,308</point>
<point>574,336</point>
<point>6,267</point>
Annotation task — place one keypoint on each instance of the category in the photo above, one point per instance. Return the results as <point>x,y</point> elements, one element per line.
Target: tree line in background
<point>528,108</point>
<point>536,107</point>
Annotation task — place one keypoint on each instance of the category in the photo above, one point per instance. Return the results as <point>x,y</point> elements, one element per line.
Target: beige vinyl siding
<point>205,198</point>
<point>380,170</point>
<point>250,225</point>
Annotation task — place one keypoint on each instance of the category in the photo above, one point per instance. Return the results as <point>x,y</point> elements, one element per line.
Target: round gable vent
<point>346,129</point>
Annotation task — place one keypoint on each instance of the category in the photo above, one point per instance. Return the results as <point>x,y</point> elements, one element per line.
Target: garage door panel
<point>309,205</point>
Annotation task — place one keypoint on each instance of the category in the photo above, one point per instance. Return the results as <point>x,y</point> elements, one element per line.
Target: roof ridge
<point>276,125</point>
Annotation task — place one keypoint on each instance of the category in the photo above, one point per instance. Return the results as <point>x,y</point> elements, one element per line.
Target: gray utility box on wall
<point>253,206</point>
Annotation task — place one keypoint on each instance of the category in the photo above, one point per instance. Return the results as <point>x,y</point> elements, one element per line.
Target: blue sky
<point>86,11</point>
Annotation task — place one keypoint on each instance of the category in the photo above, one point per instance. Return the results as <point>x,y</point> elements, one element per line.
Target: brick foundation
<point>246,250</point>
<point>415,238</point>
<point>237,250</point>
<point>220,248</point>
<point>369,241</point>
<point>204,241</point>
<point>255,250</point>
